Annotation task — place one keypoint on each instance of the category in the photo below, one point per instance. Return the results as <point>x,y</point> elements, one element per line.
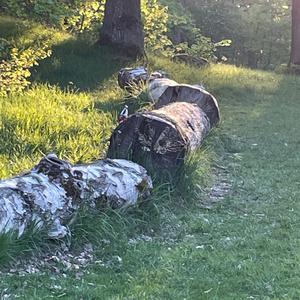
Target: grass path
<point>245,247</point>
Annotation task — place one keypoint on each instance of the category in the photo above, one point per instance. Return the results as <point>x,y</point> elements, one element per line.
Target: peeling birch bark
<point>160,139</point>
<point>164,91</point>
<point>52,191</point>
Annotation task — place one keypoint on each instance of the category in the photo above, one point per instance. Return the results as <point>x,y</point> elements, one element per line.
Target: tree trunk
<point>295,47</point>
<point>122,27</point>
<point>160,139</point>
<point>49,195</point>
<point>164,91</point>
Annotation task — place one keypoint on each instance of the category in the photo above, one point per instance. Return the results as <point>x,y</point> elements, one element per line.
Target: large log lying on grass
<point>160,139</point>
<point>49,194</point>
<point>164,91</point>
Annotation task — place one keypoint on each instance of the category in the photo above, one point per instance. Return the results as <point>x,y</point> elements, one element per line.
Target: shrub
<point>202,46</point>
<point>15,68</point>
<point>156,26</point>
<point>87,16</point>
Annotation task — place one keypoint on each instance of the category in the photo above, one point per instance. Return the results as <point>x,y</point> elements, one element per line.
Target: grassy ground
<point>245,247</point>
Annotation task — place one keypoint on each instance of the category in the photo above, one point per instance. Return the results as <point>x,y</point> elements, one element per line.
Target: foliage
<point>155,26</point>
<point>51,12</point>
<point>181,26</point>
<point>15,70</point>
<point>87,16</point>
<point>76,15</point>
<point>259,30</point>
<point>186,36</point>
<point>4,48</point>
<point>162,249</point>
<point>202,47</point>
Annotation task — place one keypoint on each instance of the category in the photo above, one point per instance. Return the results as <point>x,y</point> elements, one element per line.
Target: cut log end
<point>51,193</point>
<point>160,139</point>
<point>164,91</point>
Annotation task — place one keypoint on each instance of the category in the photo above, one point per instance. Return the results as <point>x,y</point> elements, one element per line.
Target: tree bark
<point>160,139</point>
<point>164,91</point>
<point>122,27</point>
<point>49,195</point>
<point>295,47</point>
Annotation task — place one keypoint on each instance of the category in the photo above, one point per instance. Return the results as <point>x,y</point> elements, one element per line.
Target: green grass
<point>245,247</point>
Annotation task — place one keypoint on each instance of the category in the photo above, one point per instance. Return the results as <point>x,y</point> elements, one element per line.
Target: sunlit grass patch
<point>47,119</point>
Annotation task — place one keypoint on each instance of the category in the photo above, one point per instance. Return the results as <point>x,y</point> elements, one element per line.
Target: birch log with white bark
<point>50,194</point>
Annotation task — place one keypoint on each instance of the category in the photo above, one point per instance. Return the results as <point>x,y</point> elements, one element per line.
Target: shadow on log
<point>160,139</point>
<point>51,193</point>
<point>164,91</point>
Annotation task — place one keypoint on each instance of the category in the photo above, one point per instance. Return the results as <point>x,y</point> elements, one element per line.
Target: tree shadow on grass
<point>76,63</point>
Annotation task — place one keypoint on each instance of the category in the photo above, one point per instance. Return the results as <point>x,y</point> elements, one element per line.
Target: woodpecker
<point>123,114</point>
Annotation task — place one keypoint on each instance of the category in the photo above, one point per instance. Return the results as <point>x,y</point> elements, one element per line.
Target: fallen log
<point>129,77</point>
<point>164,91</point>
<point>52,191</point>
<point>190,59</point>
<point>160,139</point>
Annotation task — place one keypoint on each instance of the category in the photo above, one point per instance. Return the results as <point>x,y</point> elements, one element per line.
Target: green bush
<point>202,46</point>
<point>155,17</point>
<point>86,16</point>
<point>15,69</point>
<point>51,12</point>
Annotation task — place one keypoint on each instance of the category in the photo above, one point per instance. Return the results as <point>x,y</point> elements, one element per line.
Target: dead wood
<point>164,91</point>
<point>54,190</point>
<point>160,139</point>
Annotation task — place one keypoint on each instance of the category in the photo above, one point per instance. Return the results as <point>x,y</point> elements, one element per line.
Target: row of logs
<point>50,194</point>
<point>161,139</point>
